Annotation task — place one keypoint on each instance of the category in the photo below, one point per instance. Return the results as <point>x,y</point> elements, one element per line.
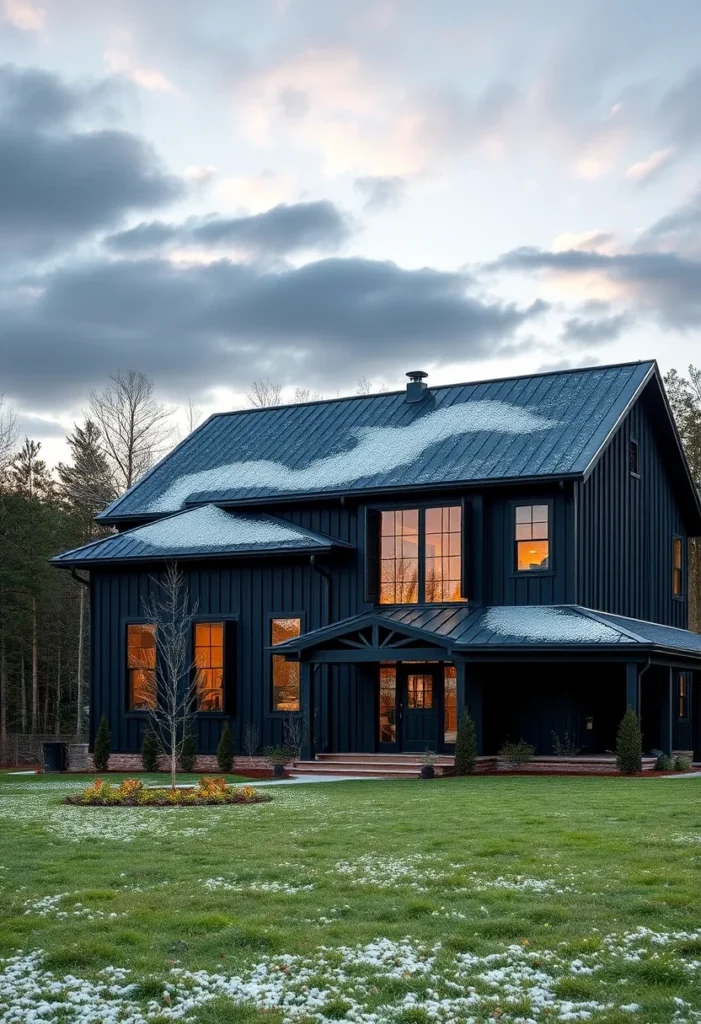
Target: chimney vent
<point>416,388</point>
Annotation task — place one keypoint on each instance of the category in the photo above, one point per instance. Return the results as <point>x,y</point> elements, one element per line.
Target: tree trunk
<point>35,669</point>
<point>23,694</point>
<point>57,722</point>
<point>173,760</point>
<point>3,691</point>
<point>79,680</point>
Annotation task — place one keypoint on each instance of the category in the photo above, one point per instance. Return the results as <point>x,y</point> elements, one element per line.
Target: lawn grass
<point>517,899</point>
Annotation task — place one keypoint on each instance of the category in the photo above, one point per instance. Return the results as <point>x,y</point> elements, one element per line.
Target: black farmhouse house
<point>376,563</point>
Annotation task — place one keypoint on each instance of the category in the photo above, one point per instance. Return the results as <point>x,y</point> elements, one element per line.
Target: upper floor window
<point>532,537</point>
<point>285,674</point>
<point>421,555</point>
<point>141,666</point>
<point>634,457</point>
<point>677,567</point>
<point>209,665</point>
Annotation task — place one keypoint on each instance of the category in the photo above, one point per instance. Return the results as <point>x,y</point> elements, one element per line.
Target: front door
<point>419,699</point>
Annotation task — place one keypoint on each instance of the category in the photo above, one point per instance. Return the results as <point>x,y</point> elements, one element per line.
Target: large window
<point>209,665</point>
<point>532,537</point>
<point>677,567</point>
<point>285,674</point>
<point>141,666</point>
<point>421,555</point>
<point>388,703</point>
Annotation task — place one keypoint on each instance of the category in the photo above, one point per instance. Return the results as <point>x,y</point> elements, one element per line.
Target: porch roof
<point>203,532</point>
<point>459,628</point>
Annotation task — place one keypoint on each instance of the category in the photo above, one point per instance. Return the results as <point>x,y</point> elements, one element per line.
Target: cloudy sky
<point>311,191</point>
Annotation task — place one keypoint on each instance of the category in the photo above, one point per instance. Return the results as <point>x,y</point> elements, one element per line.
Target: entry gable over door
<point>365,638</point>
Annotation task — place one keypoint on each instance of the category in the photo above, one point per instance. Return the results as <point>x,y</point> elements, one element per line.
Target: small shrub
<point>210,787</point>
<point>279,756</point>
<point>101,752</point>
<point>565,747</point>
<point>188,753</point>
<point>149,751</point>
<point>629,744</point>
<point>518,754</point>
<point>225,750</point>
<point>663,763</point>
<point>681,763</point>
<point>131,788</point>
<point>465,745</point>
<point>133,793</point>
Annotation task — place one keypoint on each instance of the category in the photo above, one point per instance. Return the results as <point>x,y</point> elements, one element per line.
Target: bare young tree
<point>305,395</point>
<point>193,415</point>
<point>135,428</point>
<point>264,393</point>
<point>173,701</point>
<point>250,741</point>
<point>8,435</point>
<point>363,386</point>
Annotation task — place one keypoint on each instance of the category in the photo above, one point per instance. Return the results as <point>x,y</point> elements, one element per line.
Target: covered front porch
<point>561,681</point>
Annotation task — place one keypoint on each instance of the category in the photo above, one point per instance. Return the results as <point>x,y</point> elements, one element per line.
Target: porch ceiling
<point>419,631</point>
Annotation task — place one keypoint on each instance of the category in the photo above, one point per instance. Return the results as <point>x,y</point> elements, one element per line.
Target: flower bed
<point>133,793</point>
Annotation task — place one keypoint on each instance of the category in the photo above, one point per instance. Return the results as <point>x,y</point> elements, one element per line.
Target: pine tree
<point>465,745</point>
<point>149,751</point>
<point>188,753</point>
<point>629,744</point>
<point>101,753</point>
<point>86,485</point>
<point>28,474</point>
<point>225,750</point>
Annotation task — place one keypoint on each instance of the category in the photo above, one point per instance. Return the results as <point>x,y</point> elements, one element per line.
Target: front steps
<point>372,766</point>
<point>408,766</point>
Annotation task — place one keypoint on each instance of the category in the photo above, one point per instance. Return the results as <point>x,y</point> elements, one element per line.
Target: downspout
<point>326,611</point>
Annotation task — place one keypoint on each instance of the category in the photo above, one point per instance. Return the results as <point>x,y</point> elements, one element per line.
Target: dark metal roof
<point>550,424</point>
<point>203,532</point>
<point>459,627</point>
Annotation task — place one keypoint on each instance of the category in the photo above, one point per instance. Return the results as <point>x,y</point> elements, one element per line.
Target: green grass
<point>562,868</point>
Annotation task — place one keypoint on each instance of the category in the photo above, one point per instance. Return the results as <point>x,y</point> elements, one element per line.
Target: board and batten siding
<point>625,529</point>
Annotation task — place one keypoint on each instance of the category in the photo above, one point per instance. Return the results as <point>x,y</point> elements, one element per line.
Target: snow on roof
<point>210,526</point>
<point>378,450</point>
<point>548,625</point>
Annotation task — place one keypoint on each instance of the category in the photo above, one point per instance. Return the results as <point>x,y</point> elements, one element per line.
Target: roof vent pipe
<point>416,388</point>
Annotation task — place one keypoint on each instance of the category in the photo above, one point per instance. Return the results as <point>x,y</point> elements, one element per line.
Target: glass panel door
<point>419,698</point>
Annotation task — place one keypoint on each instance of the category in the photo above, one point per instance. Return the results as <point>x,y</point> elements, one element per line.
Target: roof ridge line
<point>599,617</point>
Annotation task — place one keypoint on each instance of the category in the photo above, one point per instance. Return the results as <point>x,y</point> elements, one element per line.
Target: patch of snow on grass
<point>255,886</point>
<point>426,982</point>
<point>548,625</point>
<point>377,450</point>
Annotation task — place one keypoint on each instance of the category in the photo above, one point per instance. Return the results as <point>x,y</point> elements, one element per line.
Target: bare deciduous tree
<point>174,696</point>
<point>305,395</point>
<point>193,415</point>
<point>263,394</point>
<point>250,741</point>
<point>363,386</point>
<point>8,435</point>
<point>134,426</point>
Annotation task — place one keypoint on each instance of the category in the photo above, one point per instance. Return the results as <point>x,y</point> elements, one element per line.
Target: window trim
<point>521,574</point>
<point>422,507</point>
<point>132,620</point>
<point>635,473</point>
<point>270,712</point>
<point>680,596</point>
<point>229,690</point>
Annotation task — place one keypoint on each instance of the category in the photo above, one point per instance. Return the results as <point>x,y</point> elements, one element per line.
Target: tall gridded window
<point>209,665</point>
<point>388,703</point>
<point>442,553</point>
<point>399,556</point>
<point>682,696</point>
<point>285,674</point>
<point>450,704</point>
<point>141,666</point>
<point>677,567</point>
<point>532,537</point>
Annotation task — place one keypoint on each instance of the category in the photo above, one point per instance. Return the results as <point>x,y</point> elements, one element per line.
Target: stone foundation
<point>205,764</point>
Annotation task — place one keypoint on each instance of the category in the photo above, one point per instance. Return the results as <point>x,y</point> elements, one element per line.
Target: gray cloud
<point>58,184</point>
<point>679,228</point>
<point>280,230</point>
<point>594,332</point>
<point>666,284</point>
<point>321,324</point>
<point>382,192</point>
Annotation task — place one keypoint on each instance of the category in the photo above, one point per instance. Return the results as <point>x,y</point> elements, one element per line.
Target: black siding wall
<point>625,529</point>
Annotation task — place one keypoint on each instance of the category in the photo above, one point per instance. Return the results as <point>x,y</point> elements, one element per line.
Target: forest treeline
<point>43,510</point>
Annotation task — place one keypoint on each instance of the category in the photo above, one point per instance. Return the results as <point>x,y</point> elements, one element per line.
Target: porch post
<point>472,689</point>
<point>632,687</point>
<point>666,713</point>
<point>306,695</point>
